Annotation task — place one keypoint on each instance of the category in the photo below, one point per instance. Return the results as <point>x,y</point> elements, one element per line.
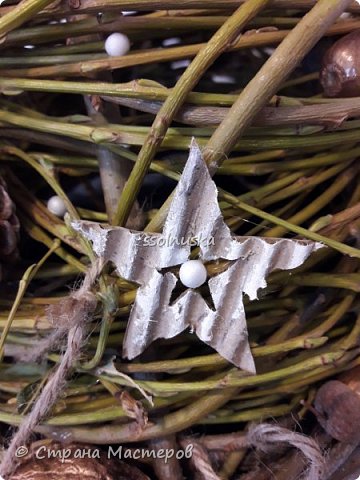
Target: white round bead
<point>192,273</point>
<point>117,44</point>
<point>56,206</point>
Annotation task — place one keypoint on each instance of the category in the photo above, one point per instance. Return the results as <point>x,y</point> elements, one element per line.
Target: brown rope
<point>69,317</point>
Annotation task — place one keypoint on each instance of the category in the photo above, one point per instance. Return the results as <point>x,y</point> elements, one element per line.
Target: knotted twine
<point>69,318</point>
<point>264,437</point>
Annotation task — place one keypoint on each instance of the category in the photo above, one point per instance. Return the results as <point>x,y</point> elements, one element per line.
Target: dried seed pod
<point>340,72</point>
<point>57,461</point>
<point>351,378</point>
<point>338,411</point>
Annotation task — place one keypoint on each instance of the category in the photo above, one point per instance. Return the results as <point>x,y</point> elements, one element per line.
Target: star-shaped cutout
<point>141,257</point>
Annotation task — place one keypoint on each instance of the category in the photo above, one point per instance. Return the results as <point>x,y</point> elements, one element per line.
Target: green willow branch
<point>45,173</point>
<point>128,25</point>
<point>317,204</point>
<point>340,247</point>
<point>19,14</point>
<point>144,57</point>
<point>266,82</point>
<point>193,413</point>
<point>94,6</point>
<point>102,134</point>
<point>23,284</point>
<point>270,77</point>
<point>41,236</point>
<point>147,90</point>
<point>206,56</point>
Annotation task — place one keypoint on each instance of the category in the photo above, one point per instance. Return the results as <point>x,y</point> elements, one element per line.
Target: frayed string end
<point>69,319</point>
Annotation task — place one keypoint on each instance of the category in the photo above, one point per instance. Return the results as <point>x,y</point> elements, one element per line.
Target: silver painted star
<point>141,257</point>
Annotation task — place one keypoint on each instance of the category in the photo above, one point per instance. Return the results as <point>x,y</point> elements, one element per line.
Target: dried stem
<point>170,469</point>
<point>330,115</point>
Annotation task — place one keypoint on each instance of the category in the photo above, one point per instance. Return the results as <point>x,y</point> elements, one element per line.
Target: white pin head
<point>56,205</point>
<point>117,44</point>
<point>192,273</point>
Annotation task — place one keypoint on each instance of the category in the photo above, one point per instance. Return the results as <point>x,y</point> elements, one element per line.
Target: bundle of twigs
<point>286,162</point>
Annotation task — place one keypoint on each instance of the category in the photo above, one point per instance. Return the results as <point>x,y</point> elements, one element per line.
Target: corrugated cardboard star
<point>141,258</point>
